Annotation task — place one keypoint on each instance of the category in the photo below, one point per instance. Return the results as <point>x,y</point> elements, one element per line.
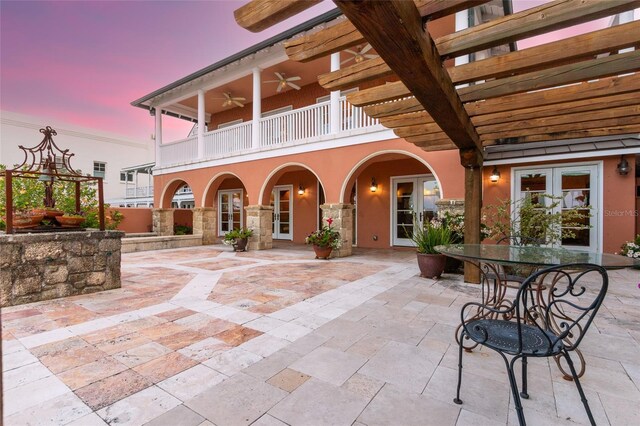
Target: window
<point>124,177</point>
<point>229,123</point>
<point>277,111</point>
<point>99,169</point>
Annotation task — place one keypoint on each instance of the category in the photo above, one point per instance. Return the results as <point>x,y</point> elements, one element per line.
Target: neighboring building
<point>96,152</point>
<point>277,152</point>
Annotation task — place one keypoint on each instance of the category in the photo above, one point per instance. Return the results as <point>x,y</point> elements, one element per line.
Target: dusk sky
<point>83,62</point>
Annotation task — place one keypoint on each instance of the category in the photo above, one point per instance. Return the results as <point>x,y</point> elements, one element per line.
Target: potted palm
<point>238,238</point>
<point>426,237</point>
<point>324,240</point>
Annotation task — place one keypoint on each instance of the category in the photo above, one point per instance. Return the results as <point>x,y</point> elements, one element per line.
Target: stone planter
<point>240,244</point>
<point>322,252</point>
<point>431,265</point>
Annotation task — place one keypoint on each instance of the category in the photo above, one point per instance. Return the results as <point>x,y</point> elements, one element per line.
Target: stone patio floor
<point>203,336</point>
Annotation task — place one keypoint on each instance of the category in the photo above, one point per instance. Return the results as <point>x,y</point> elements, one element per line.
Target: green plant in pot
<point>324,240</point>
<point>238,238</point>
<point>426,237</point>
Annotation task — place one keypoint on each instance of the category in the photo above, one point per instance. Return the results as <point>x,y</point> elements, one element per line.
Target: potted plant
<point>70,219</point>
<point>632,249</point>
<point>238,238</point>
<point>426,237</point>
<point>324,240</point>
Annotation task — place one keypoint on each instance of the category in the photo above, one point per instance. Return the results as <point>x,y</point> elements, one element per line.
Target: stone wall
<point>146,243</point>
<point>36,267</point>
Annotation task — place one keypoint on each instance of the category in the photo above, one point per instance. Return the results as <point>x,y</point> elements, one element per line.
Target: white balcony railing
<point>140,191</point>
<point>296,125</point>
<point>182,151</point>
<point>227,141</point>
<point>300,125</point>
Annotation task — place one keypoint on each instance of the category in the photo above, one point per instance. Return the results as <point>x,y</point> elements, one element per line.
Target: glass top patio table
<point>530,255</point>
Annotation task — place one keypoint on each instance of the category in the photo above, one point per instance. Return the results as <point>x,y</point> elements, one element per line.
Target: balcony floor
<point>203,336</point>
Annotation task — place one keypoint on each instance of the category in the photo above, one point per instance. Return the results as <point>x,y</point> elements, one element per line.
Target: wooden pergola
<point>590,86</point>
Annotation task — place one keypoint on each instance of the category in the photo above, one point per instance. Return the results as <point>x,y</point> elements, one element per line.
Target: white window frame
<point>276,111</point>
<point>104,172</point>
<point>127,175</point>
<point>229,123</point>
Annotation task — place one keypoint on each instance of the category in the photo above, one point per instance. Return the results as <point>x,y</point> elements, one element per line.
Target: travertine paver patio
<point>206,336</point>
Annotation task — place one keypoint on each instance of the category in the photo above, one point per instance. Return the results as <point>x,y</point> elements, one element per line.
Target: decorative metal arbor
<point>48,163</point>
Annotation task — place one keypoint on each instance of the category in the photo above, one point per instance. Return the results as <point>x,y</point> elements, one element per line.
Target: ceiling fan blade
<point>272,81</point>
<point>295,86</point>
<point>351,51</point>
<point>294,78</point>
<point>347,60</point>
<point>239,99</point>
<point>279,89</point>
<point>366,48</point>
<point>240,104</point>
<point>280,77</point>
<point>370,56</point>
<point>227,95</point>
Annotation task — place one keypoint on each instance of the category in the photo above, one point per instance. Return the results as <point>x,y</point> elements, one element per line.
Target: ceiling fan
<point>231,100</point>
<point>284,81</point>
<point>360,54</point>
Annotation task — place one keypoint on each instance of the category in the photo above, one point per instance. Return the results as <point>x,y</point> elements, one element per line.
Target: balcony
<point>300,126</point>
<point>139,191</point>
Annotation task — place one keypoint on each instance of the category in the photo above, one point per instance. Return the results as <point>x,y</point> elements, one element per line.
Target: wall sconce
<point>623,166</point>
<point>152,112</point>
<point>374,185</point>
<point>300,190</point>
<point>495,175</point>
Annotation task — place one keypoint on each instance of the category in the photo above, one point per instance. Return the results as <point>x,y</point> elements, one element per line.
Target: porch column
<point>260,220</point>
<point>158,112</point>
<point>201,123</point>
<point>334,106</point>
<point>342,215</point>
<point>257,109</point>
<point>472,216</point>
<point>204,223</point>
<point>162,220</point>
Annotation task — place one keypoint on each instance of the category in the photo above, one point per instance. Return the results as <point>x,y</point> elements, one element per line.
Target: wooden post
<point>78,197</point>
<point>101,204</point>
<point>472,207</point>
<point>9,201</point>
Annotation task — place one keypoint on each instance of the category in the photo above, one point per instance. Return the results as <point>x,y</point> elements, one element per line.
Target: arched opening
<point>177,195</point>
<point>227,194</point>
<point>296,194</point>
<point>392,192</point>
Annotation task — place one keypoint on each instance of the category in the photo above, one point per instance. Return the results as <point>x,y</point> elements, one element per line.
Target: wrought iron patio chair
<point>550,315</point>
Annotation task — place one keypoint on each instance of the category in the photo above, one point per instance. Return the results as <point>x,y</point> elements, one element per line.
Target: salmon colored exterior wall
<point>305,206</point>
<point>183,217</point>
<point>618,210</point>
<point>135,219</point>
<point>374,208</point>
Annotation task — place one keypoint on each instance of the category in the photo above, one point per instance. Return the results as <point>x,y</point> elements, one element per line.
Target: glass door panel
<point>230,206</point>
<point>414,201</point>
<point>576,186</point>
<point>282,212</point>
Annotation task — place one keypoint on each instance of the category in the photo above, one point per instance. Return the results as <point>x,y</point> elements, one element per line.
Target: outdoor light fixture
<point>300,190</point>
<point>374,185</point>
<point>495,175</point>
<point>623,166</point>
<point>152,112</point>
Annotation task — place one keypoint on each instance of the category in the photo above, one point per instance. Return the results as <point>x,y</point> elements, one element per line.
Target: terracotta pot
<point>47,212</point>
<point>36,219</point>
<point>70,221</point>
<point>240,244</point>
<point>22,221</point>
<point>322,252</point>
<point>431,265</point>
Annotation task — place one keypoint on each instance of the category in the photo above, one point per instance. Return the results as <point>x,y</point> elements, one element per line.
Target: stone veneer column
<point>451,205</point>
<point>162,220</point>
<point>204,223</point>
<point>342,215</point>
<point>260,220</point>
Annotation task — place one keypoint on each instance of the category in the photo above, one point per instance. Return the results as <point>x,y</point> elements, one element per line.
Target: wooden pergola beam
<point>412,55</point>
<point>587,133</point>
<point>259,15</point>
<point>345,35</point>
<point>548,122</point>
<point>418,130</point>
<point>597,105</point>
<point>562,128</point>
<point>553,77</point>
<point>403,106</point>
<point>404,120</point>
<point>528,60</point>
<point>530,22</point>
<point>583,91</point>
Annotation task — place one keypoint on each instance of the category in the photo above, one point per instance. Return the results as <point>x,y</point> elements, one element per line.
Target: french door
<point>282,212</point>
<point>414,201</point>
<point>229,210</point>
<point>576,187</point>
